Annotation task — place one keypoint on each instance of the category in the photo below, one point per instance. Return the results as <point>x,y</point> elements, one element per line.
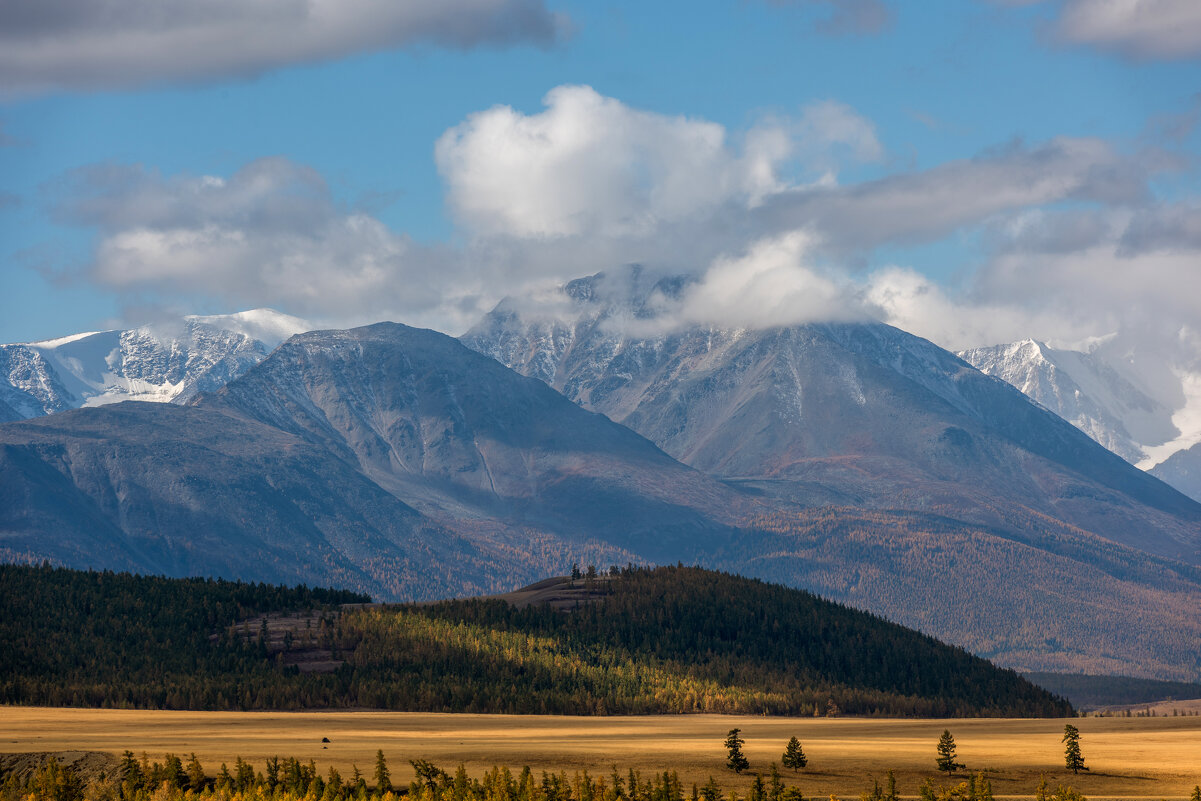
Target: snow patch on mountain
<point>1134,403</point>
<point>163,362</point>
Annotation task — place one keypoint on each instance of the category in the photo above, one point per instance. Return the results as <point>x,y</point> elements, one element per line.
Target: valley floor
<point>1128,757</point>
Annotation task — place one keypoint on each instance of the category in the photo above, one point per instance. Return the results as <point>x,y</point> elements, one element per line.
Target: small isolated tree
<point>735,759</point>
<point>794,757</point>
<point>946,753</point>
<point>383,779</point>
<point>1071,749</point>
<point>1196,796</point>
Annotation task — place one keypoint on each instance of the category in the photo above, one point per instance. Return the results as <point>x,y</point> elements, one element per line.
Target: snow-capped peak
<point>167,360</point>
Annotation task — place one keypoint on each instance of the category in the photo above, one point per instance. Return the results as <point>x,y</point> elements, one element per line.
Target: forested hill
<point>721,643</point>
<point>662,640</point>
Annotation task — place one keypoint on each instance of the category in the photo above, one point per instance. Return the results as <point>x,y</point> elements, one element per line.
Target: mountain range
<point>852,459</point>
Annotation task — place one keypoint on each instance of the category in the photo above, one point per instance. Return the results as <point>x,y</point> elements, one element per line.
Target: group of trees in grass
<point>293,780</point>
<point>975,788</point>
<point>793,756</point>
<point>662,640</point>
<point>1072,756</point>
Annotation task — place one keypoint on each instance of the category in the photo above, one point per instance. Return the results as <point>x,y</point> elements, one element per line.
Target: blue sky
<point>956,167</point>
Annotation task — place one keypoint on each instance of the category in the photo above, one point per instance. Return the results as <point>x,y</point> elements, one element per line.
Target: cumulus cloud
<point>590,163</point>
<point>1071,277</point>
<point>1127,269</point>
<point>960,319</point>
<point>774,282</point>
<point>270,234</point>
<point>89,44</point>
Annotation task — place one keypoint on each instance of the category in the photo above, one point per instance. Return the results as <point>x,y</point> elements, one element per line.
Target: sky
<point>974,171</point>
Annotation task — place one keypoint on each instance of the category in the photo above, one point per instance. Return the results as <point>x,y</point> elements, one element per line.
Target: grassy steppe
<point>1128,757</point>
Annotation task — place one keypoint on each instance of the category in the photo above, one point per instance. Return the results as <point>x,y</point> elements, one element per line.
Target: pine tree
<point>946,753</point>
<point>1071,751</point>
<point>196,777</point>
<point>794,757</point>
<point>1196,796</point>
<point>383,779</point>
<point>735,759</point>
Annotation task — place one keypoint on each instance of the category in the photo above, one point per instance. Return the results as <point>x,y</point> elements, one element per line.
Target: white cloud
<point>1141,29</point>
<point>589,184</point>
<point>592,164</point>
<point>270,235</point>
<point>905,298</point>
<point>1144,30</point>
<point>774,283</point>
<point>48,45</point>
<point>927,205</point>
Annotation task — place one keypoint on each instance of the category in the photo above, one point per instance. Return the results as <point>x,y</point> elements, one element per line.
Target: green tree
<point>946,753</point>
<point>735,759</point>
<point>1196,796</point>
<point>383,779</point>
<point>1071,750</point>
<point>794,757</point>
<point>196,777</point>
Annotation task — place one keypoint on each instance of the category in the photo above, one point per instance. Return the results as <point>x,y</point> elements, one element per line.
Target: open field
<point>1128,757</point>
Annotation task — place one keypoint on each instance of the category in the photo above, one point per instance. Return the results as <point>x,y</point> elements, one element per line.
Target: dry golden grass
<point>1128,757</point>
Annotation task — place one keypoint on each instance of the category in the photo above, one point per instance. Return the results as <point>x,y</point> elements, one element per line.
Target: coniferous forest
<point>662,640</point>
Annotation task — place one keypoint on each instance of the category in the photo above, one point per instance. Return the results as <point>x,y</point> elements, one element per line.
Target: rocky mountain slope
<point>859,415</point>
<point>385,459</point>
<point>168,361</point>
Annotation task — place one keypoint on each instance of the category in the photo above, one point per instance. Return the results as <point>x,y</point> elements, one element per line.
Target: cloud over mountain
<point>758,217</point>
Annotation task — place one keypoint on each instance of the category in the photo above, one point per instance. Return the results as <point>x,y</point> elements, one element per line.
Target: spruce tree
<point>735,759</point>
<point>794,757</point>
<point>383,779</point>
<point>946,753</point>
<point>1196,796</point>
<point>1071,750</point>
<point>196,777</point>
